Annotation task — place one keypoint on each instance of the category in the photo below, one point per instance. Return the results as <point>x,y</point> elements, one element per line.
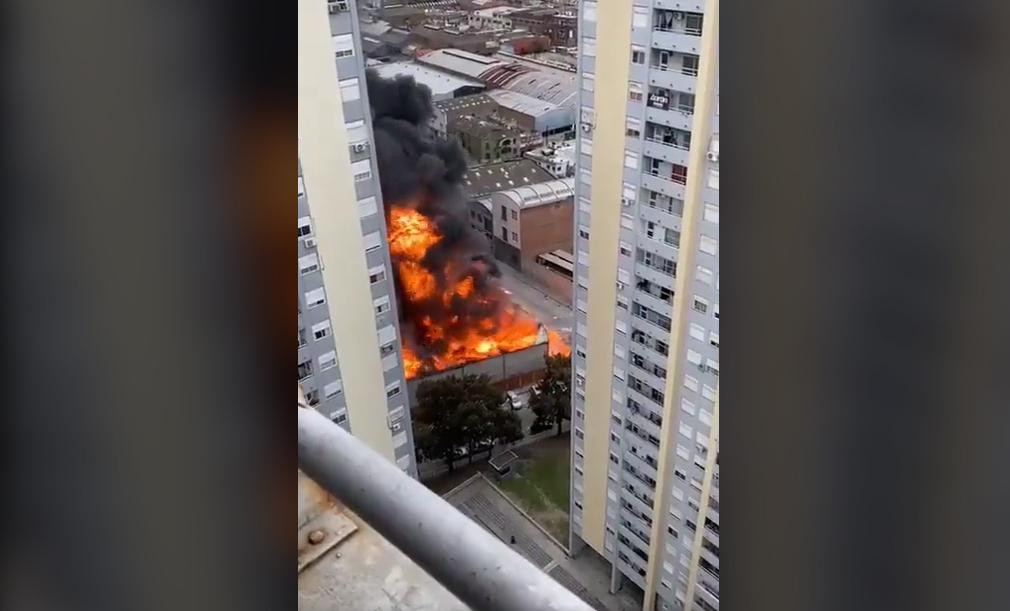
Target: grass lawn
<point>541,484</point>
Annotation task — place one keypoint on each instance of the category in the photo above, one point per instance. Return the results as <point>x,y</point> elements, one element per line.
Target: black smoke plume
<point>418,169</point>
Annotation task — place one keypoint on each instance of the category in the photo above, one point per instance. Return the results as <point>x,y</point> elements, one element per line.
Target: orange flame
<point>453,340</point>
<point>556,345</point>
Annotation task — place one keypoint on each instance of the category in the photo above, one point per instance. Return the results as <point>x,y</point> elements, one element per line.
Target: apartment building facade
<point>349,358</point>
<point>645,429</point>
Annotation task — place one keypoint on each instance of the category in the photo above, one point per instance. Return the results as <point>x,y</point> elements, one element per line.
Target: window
<point>586,176</point>
<point>637,54</point>
<point>624,249</point>
<point>712,213</point>
<point>356,131</point>
<point>343,45</point>
<point>372,241</point>
<point>713,178</point>
<point>587,115</point>
<point>690,65</point>
<point>635,93</point>
<point>631,160</point>
<point>627,221</point>
<point>367,207</point>
<point>381,304</point>
<point>713,338</point>
<point>688,408</point>
<point>361,170</point>
<point>515,215</point>
<point>588,82</point>
<point>692,383</point>
<point>321,330</point>
<point>301,338</point>
<point>377,274</point>
<point>505,234</point>
<point>587,146</point>
<point>308,263</point>
<point>333,388</point>
<point>583,232</point>
<point>697,332</point>
<point>708,245</point>
<point>633,129</point>
<point>387,349</point>
<point>589,11</point>
<point>341,417</point>
<point>679,174</point>
<point>315,297</point>
<point>700,305</point>
<point>515,237</point>
<point>349,90</point>
<point>327,360</point>
<point>304,370</point>
<point>393,389</point>
<point>705,274</point>
<point>640,18</point>
<point>589,47</point>
<point>304,226</point>
<point>301,186</point>
<point>692,23</point>
<point>693,357</point>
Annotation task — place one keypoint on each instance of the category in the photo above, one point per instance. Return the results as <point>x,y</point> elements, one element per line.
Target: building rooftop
<point>519,102</point>
<point>481,180</point>
<point>477,127</point>
<point>440,83</point>
<point>552,86</point>
<point>458,62</point>
<point>472,102</point>
<point>541,194</point>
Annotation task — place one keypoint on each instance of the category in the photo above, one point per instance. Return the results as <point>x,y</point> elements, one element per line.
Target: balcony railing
<point>477,568</point>
<point>670,144</point>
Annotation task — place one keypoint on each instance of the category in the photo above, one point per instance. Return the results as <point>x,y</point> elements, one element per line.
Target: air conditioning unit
<point>678,16</point>
<point>626,201</point>
<point>337,6</point>
<point>713,156</point>
<point>310,242</point>
<point>587,127</point>
<point>360,147</point>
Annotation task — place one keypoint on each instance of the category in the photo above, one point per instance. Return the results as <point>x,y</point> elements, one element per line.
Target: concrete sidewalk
<point>589,578</point>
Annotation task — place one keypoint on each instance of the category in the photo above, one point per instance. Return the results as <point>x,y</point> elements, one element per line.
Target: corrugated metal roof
<point>542,193</point>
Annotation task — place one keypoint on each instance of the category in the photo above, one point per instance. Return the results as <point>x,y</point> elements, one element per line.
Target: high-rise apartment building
<point>645,467</point>
<point>349,357</point>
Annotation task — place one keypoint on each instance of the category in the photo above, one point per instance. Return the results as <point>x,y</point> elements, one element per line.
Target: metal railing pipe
<point>477,568</point>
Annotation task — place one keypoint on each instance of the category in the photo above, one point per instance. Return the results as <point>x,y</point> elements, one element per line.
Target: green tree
<point>551,399</point>
<point>456,413</point>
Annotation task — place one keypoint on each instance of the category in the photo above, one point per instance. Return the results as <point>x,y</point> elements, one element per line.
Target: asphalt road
<point>552,313</point>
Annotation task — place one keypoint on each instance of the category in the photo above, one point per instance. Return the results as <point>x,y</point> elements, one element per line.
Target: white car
<point>515,400</point>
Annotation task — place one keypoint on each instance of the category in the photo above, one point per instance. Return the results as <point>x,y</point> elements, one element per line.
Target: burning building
<point>453,309</point>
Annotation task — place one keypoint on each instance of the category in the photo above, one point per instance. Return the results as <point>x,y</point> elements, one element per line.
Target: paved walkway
<point>556,315</point>
<point>481,501</point>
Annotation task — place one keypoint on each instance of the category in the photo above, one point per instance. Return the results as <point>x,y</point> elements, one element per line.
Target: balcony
<point>678,5</point>
<point>676,79</point>
<point>475,566</point>
<point>665,151</point>
<point>679,41</point>
<point>641,502</point>
<point>663,186</point>
<point>637,540</point>
<point>645,424</point>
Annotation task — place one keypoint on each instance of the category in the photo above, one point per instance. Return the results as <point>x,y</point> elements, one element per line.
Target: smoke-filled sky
<point>446,279</point>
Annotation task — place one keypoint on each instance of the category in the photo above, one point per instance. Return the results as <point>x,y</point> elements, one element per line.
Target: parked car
<point>515,400</point>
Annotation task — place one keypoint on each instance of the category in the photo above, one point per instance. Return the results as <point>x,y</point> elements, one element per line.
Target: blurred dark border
<point>151,156</point>
<point>864,393</point>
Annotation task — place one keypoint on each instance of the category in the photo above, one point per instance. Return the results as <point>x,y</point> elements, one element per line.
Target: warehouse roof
<point>555,87</point>
<point>458,61</point>
<point>439,82</point>
<point>481,180</point>
<point>540,194</point>
<point>519,102</point>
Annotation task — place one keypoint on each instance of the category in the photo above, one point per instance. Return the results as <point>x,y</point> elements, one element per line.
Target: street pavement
<point>552,313</point>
